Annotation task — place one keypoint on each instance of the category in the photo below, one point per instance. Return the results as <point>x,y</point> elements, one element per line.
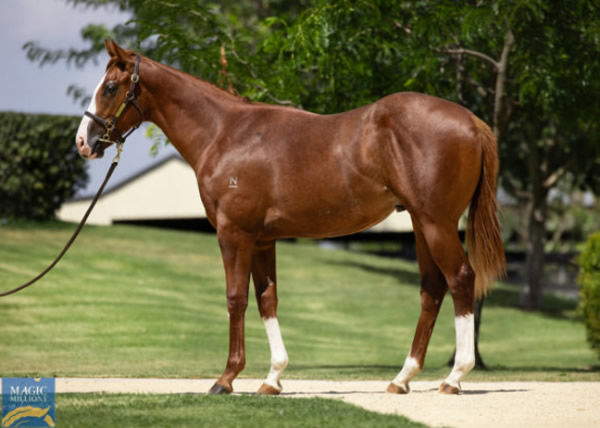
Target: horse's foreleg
<point>236,249</point>
<point>433,289</point>
<point>264,277</point>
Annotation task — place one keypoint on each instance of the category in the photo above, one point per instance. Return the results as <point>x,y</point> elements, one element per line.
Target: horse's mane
<point>197,80</point>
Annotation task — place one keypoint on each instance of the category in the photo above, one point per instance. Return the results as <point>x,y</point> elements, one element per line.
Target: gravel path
<point>482,404</point>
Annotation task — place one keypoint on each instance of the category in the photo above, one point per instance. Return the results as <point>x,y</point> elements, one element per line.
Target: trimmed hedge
<point>39,164</point>
<point>589,284</point>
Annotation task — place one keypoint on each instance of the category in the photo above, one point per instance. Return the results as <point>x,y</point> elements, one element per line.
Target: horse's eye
<point>110,88</point>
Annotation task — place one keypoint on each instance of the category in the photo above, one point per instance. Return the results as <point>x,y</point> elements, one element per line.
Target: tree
<point>39,164</point>
<point>540,95</point>
<point>528,67</point>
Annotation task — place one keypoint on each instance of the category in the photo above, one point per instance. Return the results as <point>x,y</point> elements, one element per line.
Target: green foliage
<point>335,56</point>
<point>39,164</point>
<point>553,96</point>
<point>589,283</point>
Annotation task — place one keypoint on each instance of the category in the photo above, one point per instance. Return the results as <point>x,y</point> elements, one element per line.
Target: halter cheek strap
<point>110,125</point>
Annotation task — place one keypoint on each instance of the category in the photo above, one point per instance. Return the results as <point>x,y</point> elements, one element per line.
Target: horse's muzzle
<point>94,150</point>
<point>98,149</point>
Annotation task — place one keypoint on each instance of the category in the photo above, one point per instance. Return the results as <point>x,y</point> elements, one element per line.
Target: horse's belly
<point>328,219</point>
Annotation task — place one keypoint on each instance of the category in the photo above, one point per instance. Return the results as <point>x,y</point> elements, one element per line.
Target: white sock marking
<point>279,357</point>
<point>409,370</point>
<point>464,359</point>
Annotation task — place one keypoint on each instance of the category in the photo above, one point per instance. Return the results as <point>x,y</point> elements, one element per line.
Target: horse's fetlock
<point>279,362</point>
<point>465,362</point>
<point>236,364</point>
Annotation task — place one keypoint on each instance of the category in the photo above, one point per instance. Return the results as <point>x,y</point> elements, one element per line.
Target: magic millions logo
<point>28,402</point>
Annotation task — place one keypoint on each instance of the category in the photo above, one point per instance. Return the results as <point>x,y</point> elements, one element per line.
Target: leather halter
<point>110,125</point>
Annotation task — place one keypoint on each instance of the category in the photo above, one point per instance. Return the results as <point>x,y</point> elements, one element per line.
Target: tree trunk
<point>535,258</point>
<point>536,229</point>
<point>501,74</point>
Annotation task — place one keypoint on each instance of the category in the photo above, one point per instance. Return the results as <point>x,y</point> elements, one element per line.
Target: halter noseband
<point>110,125</point>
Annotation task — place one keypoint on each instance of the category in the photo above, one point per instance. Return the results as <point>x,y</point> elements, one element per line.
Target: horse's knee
<point>237,303</point>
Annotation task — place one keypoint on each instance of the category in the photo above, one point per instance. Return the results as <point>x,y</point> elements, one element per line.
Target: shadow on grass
<point>345,368</point>
<point>504,296</point>
<point>404,277</point>
<point>387,368</point>
<point>552,306</point>
<point>22,224</point>
<point>546,369</point>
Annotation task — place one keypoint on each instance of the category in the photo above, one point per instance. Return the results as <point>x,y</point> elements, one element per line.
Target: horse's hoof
<point>449,389</point>
<point>397,389</point>
<point>218,389</point>
<point>268,390</point>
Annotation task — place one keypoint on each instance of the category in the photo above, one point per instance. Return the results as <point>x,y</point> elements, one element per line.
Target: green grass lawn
<point>128,410</point>
<point>138,302</point>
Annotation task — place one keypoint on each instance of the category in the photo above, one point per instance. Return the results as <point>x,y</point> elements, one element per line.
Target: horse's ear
<point>109,44</point>
<point>116,52</point>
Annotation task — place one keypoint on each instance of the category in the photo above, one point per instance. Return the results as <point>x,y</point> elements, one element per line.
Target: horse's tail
<point>484,242</point>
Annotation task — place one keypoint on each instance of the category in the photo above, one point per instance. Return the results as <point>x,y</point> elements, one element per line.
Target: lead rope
<point>114,164</point>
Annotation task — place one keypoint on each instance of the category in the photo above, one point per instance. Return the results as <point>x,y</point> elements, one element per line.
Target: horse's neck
<point>189,111</point>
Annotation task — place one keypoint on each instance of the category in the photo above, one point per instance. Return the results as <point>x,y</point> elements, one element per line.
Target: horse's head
<point>109,118</point>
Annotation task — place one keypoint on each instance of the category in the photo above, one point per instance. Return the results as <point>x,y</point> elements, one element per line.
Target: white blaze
<point>82,131</point>
<point>279,357</point>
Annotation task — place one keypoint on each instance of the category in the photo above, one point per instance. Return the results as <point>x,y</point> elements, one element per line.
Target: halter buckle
<point>119,147</point>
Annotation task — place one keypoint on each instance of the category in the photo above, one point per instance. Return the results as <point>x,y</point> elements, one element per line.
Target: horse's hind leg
<point>264,277</point>
<point>433,289</point>
<point>447,252</point>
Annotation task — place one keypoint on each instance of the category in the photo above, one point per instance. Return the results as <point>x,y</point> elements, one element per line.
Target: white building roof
<point>167,190</point>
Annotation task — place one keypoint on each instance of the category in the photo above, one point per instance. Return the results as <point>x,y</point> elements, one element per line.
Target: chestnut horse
<point>267,172</point>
